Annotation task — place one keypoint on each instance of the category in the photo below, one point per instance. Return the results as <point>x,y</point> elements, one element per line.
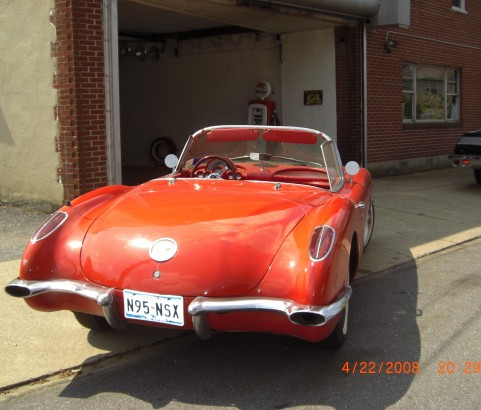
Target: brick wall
<point>388,138</point>
<point>79,81</point>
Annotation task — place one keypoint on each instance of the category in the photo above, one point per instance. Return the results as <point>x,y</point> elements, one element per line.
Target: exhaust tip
<point>17,291</point>
<point>307,319</point>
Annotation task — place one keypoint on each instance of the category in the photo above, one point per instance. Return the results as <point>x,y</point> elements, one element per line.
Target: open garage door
<point>186,64</point>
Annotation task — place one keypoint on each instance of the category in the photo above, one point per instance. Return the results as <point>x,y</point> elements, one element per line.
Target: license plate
<point>154,308</point>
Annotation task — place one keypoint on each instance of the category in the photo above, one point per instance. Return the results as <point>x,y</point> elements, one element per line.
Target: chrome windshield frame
<point>332,161</point>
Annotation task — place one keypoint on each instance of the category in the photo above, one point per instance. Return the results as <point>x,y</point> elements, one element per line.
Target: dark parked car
<point>467,153</point>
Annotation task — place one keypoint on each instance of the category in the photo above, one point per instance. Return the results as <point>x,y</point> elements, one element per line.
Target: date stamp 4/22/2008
<point>409,367</point>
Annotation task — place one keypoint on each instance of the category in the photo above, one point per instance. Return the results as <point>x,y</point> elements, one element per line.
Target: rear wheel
<point>91,321</point>
<point>338,336</point>
<point>369,225</point>
<point>477,175</point>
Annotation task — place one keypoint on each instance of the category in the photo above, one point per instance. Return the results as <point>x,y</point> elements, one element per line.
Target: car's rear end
<point>467,153</point>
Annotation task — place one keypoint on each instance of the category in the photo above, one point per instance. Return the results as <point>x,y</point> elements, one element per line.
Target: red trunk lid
<point>227,234</point>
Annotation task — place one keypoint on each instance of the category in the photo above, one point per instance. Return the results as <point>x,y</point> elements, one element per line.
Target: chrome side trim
<point>103,296</point>
<point>305,315</point>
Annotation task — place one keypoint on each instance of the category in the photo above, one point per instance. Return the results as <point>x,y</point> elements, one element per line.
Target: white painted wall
<point>209,83</point>
<point>28,161</point>
<point>309,63</point>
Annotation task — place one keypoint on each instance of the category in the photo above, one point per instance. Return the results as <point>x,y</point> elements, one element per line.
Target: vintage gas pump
<point>262,111</point>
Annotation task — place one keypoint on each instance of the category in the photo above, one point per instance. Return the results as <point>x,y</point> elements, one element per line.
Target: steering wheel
<point>229,165</point>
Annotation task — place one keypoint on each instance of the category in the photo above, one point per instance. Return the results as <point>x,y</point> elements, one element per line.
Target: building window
<point>459,5</point>
<point>430,93</point>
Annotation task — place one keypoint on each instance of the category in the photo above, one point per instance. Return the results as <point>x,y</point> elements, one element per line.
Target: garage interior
<point>185,65</point>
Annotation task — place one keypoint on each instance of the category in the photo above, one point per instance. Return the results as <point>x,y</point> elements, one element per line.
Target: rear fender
<point>294,275</point>
<point>92,204</point>
<point>58,255</point>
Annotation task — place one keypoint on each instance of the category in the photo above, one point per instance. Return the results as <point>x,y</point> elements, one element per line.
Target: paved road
<point>423,313</point>
<point>16,227</point>
<point>416,215</point>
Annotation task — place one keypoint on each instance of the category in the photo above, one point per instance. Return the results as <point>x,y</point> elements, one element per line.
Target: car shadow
<point>374,368</point>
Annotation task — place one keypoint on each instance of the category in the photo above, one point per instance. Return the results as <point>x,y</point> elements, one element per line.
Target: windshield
<point>266,149</point>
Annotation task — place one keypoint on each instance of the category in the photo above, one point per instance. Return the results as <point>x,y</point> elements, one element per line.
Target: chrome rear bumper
<point>199,308</point>
<point>103,296</point>
<point>304,315</point>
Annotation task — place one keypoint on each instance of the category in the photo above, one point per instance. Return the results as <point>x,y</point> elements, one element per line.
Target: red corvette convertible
<point>257,229</point>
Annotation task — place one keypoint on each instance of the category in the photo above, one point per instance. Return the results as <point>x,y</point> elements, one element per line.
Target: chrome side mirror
<point>171,161</point>
<point>352,168</point>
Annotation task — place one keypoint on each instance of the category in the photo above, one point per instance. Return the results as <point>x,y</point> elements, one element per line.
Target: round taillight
<point>50,226</point>
<point>322,241</point>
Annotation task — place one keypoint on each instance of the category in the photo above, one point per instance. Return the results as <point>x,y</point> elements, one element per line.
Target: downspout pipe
<point>112,99</point>
<point>364,95</point>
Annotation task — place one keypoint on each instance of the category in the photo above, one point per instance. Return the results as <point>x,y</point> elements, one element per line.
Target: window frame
<point>451,90</point>
<point>459,6</point>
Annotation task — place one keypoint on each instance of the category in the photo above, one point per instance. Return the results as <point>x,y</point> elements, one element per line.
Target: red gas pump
<point>262,111</point>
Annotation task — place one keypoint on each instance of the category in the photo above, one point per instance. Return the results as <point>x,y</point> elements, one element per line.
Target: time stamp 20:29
<point>409,367</point>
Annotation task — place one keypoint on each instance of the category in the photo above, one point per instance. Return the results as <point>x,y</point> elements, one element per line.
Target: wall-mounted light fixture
<point>390,45</point>
<point>125,51</point>
<point>140,52</point>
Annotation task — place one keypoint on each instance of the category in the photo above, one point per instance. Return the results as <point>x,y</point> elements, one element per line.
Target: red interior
<point>287,173</point>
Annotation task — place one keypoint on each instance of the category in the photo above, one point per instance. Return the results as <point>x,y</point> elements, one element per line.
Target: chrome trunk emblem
<point>163,249</point>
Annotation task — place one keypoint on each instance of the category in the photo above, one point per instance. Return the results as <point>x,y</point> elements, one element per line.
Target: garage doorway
<point>185,65</point>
